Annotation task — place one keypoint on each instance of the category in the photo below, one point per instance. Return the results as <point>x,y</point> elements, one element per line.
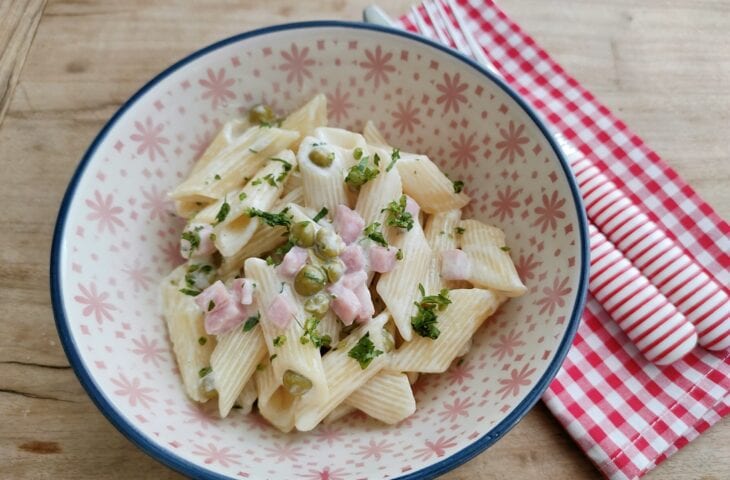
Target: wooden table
<point>65,66</point>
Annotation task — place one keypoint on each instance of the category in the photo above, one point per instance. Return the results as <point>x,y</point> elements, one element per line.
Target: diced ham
<point>344,303</point>
<point>292,262</point>
<point>242,289</point>
<point>222,312</point>
<point>367,309</point>
<point>455,265</point>
<point>348,223</point>
<point>412,207</point>
<point>382,259</point>
<point>280,311</point>
<point>355,279</point>
<point>353,257</point>
<point>202,233</point>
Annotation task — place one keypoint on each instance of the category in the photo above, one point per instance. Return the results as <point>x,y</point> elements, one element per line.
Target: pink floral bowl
<point>115,238</point>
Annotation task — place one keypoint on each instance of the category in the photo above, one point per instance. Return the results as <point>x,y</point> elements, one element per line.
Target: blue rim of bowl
<point>172,460</point>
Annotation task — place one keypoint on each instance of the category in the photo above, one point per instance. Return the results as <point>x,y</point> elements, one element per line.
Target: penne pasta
<point>457,323</point>
<point>185,328</point>
<point>373,136</point>
<point>227,136</point>
<point>248,397</point>
<point>376,194</point>
<point>491,265</point>
<point>345,374</point>
<point>274,402</point>
<point>428,185</point>
<point>387,397</point>
<point>310,116</point>
<point>323,185</point>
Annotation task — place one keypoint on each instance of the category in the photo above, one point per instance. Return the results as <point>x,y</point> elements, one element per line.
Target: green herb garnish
<point>205,371</point>
<point>217,177</point>
<point>372,232</point>
<point>192,237</point>
<point>311,334</point>
<point>287,165</point>
<point>364,351</point>
<point>202,340</point>
<point>223,212</point>
<point>397,214</point>
<point>280,340</point>
<point>321,214</point>
<point>190,291</point>
<point>458,186</point>
<point>425,320</point>
<point>459,230</point>
<point>242,196</point>
<point>399,254</point>
<point>257,182</point>
<point>505,248</point>
<point>357,153</point>
<point>211,305</point>
<point>270,179</point>
<point>251,322</point>
<point>361,173</point>
<point>282,218</point>
<point>394,157</point>
<point>271,358</point>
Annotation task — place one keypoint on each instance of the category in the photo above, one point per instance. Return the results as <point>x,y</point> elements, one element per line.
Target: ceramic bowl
<point>115,238</point>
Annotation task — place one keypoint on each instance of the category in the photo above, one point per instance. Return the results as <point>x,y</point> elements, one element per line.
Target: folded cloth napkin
<point>627,414</point>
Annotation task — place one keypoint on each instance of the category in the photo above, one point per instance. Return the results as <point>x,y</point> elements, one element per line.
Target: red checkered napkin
<point>627,414</point>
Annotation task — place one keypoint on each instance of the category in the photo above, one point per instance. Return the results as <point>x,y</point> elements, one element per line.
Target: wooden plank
<point>18,22</point>
<point>659,66</point>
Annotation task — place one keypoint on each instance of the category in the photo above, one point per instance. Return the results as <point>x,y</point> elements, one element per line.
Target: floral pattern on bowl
<point>116,238</point>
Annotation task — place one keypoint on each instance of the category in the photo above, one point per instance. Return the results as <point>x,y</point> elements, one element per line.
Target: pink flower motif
<point>297,64</point>
<point>549,213</point>
<point>438,448</point>
<point>257,422</point>
<point>150,138</point>
<point>133,390</point>
<point>459,372</point>
<point>171,252</point>
<point>554,296</point>
<point>284,452</point>
<point>452,92</point>
<point>453,411</point>
<point>406,117</point>
<point>149,350</point>
<point>329,434</point>
<point>138,275</point>
<point>506,345</point>
<point>217,87</point>
<point>375,449</point>
<point>505,203</point>
<point>202,141</point>
<point>95,303</point>
<point>377,66</point>
<point>199,413</point>
<point>213,454</point>
<point>339,104</point>
<point>464,150</point>
<point>525,266</point>
<point>517,379</point>
<point>512,142</point>
<point>156,202</point>
<point>325,474</point>
<point>104,212</point>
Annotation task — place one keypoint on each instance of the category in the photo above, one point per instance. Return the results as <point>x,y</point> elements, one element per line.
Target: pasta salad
<point>325,271</point>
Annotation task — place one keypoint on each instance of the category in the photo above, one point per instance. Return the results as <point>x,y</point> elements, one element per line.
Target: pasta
<point>325,271</point>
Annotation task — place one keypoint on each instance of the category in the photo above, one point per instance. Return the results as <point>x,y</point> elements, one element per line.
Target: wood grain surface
<point>663,66</point>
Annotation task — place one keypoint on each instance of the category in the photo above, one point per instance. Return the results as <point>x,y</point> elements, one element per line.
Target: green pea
<point>302,233</point>
<point>321,157</point>
<point>328,244</point>
<point>296,383</point>
<point>317,304</point>
<point>309,280</point>
<point>334,269</point>
<point>261,114</point>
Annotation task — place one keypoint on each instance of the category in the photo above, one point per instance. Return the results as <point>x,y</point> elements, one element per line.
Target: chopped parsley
<point>397,214</point>
<point>394,157</point>
<point>287,165</point>
<point>211,305</point>
<point>364,351</point>
<point>251,322</point>
<point>252,150</point>
<point>280,340</point>
<point>399,254</point>
<point>217,177</point>
<point>271,358</point>
<point>376,160</point>
<point>192,237</point>
<point>459,230</point>
<point>357,153</point>
<point>270,179</point>
<point>202,340</point>
<point>311,334</point>
<point>282,218</point>
<point>361,173</point>
<point>257,182</point>
<point>458,186</point>
<point>278,254</point>
<point>190,279</point>
<point>223,212</point>
<point>205,371</point>
<point>425,320</point>
<point>260,367</point>
<point>505,248</point>
<point>372,232</point>
<point>190,291</point>
<point>321,214</point>
<point>242,196</point>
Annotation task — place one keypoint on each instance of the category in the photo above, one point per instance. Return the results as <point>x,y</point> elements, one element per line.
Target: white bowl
<point>115,239</point>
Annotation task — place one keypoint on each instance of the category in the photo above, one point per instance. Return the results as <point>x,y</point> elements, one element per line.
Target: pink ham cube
<point>382,259</point>
<point>348,224</point>
<point>455,265</point>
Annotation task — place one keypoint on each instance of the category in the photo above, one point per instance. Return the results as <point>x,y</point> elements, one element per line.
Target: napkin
<point>627,414</point>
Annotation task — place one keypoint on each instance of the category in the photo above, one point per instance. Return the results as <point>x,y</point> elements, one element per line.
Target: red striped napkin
<point>627,414</point>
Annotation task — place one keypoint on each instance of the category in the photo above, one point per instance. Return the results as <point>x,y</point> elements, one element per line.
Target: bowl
<point>115,238</point>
